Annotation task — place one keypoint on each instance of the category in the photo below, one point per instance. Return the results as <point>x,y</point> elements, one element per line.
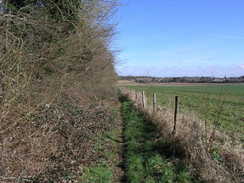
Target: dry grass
<point>197,142</point>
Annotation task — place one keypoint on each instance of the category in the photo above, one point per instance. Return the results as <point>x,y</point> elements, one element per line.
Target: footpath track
<point>147,157</point>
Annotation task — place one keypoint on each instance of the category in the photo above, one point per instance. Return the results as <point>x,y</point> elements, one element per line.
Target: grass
<point>149,159</point>
<point>222,105</point>
<point>100,173</point>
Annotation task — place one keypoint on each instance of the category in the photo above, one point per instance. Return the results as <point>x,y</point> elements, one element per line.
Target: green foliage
<point>215,153</point>
<point>99,174</point>
<point>136,171</point>
<point>163,169</point>
<point>183,177</point>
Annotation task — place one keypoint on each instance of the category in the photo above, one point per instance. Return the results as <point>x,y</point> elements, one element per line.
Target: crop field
<point>220,105</point>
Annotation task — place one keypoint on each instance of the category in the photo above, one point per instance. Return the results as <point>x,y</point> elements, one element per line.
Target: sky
<point>167,38</point>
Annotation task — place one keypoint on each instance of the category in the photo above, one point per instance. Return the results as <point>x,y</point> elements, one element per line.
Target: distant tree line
<point>149,79</point>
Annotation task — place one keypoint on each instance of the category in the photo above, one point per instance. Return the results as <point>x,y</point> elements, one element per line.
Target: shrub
<point>54,53</point>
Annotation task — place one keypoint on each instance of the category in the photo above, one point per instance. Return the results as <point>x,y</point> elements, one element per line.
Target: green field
<point>221,105</point>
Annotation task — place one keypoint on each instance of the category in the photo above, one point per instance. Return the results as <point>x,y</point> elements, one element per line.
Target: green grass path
<point>147,158</point>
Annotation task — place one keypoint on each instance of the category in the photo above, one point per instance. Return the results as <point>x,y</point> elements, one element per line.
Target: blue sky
<point>180,37</point>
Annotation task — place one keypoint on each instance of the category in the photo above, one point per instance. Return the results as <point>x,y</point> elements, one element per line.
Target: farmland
<point>220,105</point>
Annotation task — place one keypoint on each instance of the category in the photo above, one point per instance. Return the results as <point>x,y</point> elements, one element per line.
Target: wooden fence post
<point>175,114</point>
<point>143,100</point>
<point>154,102</point>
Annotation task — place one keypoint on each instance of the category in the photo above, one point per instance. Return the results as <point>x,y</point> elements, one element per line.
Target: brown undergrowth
<point>56,85</point>
<point>214,156</point>
<point>54,141</point>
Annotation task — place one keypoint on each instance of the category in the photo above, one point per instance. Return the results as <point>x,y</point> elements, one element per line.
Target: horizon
<point>176,38</point>
<point>182,76</point>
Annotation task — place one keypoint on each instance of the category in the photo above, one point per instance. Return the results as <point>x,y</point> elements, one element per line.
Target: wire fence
<point>222,111</point>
